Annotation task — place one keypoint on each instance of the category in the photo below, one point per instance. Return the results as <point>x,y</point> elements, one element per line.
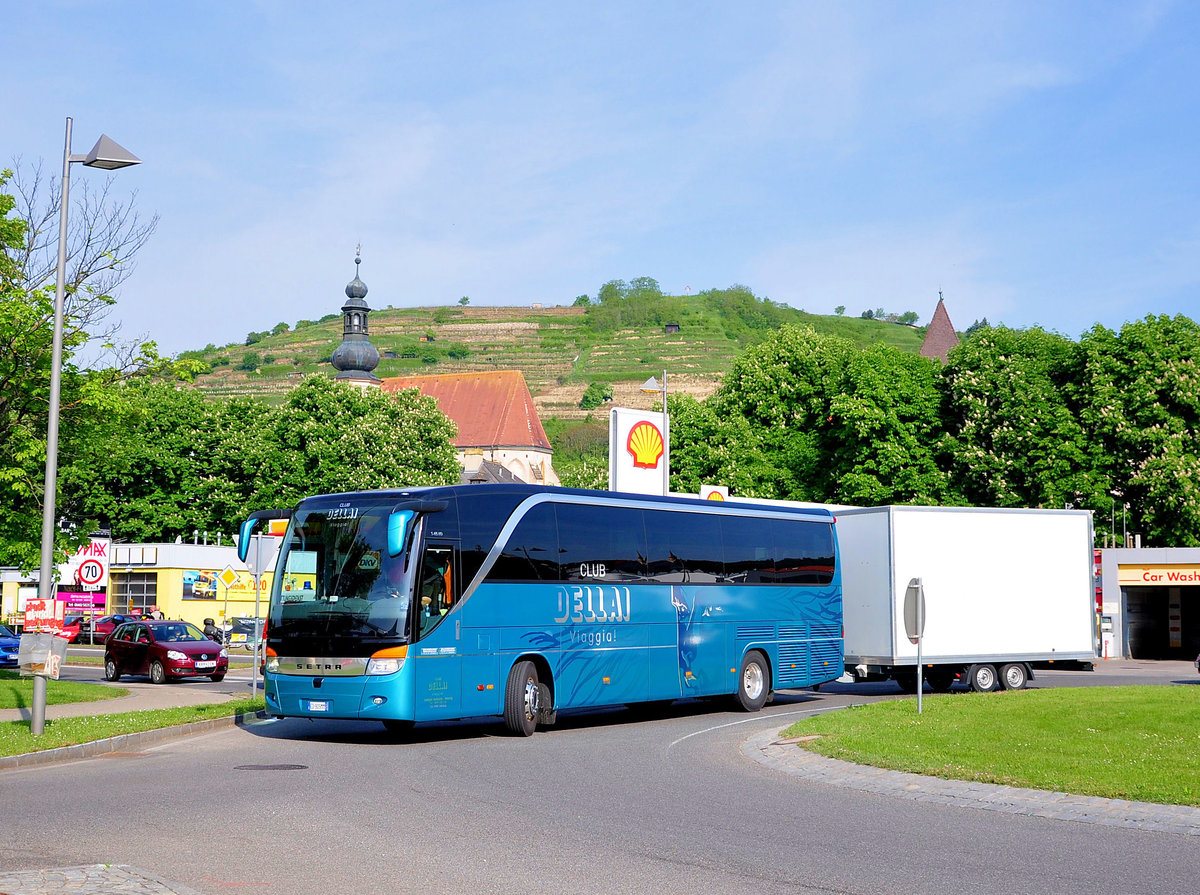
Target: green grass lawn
<point>1138,743</point>
<point>15,738</point>
<point>17,692</point>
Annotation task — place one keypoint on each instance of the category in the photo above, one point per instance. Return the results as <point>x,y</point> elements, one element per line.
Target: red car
<point>104,625</point>
<point>165,650</point>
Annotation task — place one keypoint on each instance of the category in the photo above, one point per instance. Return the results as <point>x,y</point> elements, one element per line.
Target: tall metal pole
<point>666,441</point>
<point>257,592</point>
<point>46,582</point>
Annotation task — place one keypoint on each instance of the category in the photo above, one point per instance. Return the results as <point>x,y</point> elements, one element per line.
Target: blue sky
<point>1037,162</point>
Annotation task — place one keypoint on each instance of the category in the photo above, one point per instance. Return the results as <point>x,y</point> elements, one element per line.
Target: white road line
<point>808,712</point>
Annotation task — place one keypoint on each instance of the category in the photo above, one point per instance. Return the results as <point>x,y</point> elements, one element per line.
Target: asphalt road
<point>608,801</point>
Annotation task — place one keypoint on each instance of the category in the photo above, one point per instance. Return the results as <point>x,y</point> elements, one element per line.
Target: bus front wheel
<point>754,682</point>
<point>522,699</point>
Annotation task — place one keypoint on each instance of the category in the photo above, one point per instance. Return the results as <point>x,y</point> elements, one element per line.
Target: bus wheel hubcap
<point>531,699</point>
<point>752,681</point>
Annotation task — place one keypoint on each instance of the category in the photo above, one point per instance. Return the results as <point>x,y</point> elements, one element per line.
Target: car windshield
<point>5,632</point>
<point>178,633</point>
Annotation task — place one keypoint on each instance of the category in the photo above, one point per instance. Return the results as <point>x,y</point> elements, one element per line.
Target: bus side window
<point>436,587</point>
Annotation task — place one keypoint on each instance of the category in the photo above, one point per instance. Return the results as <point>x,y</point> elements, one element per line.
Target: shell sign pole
<point>637,451</point>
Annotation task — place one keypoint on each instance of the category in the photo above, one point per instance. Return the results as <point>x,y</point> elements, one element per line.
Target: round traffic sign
<point>91,572</point>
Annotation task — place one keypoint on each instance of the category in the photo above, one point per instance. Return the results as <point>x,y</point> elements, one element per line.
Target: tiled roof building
<point>496,418</point>
<point>940,337</point>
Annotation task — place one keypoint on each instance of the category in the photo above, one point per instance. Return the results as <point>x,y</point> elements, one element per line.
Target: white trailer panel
<point>1012,585</point>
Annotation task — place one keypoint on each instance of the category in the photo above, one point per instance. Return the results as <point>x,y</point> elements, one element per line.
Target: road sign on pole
<point>914,627</point>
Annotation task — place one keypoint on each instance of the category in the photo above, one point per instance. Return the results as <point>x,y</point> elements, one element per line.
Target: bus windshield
<point>337,590</point>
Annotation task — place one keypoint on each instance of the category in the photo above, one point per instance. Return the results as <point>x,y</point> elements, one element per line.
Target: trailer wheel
<point>940,681</point>
<point>1014,676</point>
<point>982,678</point>
<point>907,682</point>
<point>754,682</point>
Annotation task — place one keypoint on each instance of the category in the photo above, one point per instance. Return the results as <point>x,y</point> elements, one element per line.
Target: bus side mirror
<point>251,523</point>
<point>399,524</point>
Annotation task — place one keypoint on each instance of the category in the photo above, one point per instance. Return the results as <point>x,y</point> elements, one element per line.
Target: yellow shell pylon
<point>645,443</point>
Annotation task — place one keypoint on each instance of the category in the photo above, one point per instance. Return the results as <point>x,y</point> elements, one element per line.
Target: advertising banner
<point>43,616</point>
<point>87,570</point>
<point>637,451</point>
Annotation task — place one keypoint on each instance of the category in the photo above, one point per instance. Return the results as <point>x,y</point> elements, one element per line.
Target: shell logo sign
<point>639,451</point>
<point>645,445</point>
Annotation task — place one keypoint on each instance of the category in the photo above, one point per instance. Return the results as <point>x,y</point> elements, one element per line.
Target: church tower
<point>356,357</point>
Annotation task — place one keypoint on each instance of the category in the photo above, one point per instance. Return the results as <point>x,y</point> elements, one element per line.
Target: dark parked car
<point>165,650</point>
<point>105,625</point>
<point>10,644</point>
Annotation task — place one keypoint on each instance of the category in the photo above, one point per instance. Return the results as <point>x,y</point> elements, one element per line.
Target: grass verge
<point>1139,743</point>
<point>15,738</point>
<point>16,692</point>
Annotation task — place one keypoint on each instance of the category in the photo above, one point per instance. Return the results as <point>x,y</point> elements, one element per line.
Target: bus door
<point>437,646</point>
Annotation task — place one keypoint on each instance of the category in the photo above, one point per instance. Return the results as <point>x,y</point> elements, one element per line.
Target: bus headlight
<point>384,666</point>
<point>273,664</point>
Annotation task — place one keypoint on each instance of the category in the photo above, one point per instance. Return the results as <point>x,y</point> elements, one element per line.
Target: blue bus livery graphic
<point>517,601</point>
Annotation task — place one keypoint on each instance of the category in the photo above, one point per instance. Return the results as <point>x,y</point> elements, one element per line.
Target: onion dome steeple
<point>356,357</point>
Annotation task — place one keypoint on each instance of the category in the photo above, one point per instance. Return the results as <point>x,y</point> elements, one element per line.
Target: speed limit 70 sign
<point>91,572</point>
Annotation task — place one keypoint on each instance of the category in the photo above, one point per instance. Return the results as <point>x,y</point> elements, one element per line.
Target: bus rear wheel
<point>754,682</point>
<point>522,699</point>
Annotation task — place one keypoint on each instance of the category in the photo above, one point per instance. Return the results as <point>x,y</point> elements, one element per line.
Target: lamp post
<point>651,386</point>
<point>108,155</point>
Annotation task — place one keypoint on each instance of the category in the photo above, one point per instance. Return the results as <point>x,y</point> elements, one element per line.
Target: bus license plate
<point>318,705</point>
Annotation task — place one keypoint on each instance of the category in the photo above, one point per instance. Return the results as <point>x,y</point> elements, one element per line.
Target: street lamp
<point>651,386</point>
<point>108,155</point>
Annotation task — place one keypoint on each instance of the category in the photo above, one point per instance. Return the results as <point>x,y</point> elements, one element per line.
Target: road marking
<point>807,712</point>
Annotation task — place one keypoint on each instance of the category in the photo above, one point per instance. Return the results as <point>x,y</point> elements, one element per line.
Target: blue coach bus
<point>517,601</point>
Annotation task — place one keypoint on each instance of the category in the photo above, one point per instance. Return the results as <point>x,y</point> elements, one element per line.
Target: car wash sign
<point>637,451</point>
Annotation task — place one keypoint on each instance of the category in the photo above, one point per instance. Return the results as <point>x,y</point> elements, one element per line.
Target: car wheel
<point>754,682</point>
<point>158,674</point>
<point>522,699</point>
<point>110,670</point>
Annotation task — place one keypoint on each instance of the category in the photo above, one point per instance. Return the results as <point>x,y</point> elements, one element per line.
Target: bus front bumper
<point>382,697</point>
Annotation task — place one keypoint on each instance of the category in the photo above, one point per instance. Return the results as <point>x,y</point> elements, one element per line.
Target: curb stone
<point>128,742</point>
<point>786,756</point>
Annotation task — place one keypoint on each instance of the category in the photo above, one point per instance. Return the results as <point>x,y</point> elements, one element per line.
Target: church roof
<point>940,337</point>
<point>492,410</point>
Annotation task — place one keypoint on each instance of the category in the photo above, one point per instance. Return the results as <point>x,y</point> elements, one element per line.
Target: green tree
<point>840,310</point>
<point>168,462</point>
<point>1140,400</point>
<point>464,301</point>
<point>1013,434</point>
<point>839,424</point>
<point>594,395</point>
<point>331,437</point>
<point>103,237</point>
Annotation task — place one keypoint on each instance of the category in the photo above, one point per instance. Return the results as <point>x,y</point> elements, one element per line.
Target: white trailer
<point>1004,589</point>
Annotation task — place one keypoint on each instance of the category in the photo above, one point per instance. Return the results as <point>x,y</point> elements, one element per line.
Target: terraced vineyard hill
<point>556,349</point>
